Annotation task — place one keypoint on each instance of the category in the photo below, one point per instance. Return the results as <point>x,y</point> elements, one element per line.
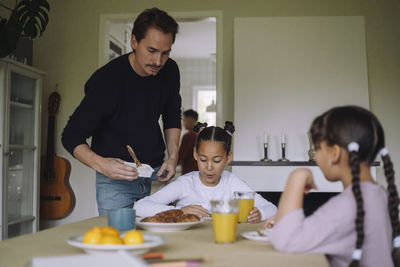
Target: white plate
<point>165,227</point>
<point>150,241</point>
<point>253,235</point>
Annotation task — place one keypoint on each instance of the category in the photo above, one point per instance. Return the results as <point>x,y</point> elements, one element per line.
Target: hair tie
<point>357,253</point>
<point>353,147</point>
<point>228,132</point>
<point>384,152</point>
<point>396,242</point>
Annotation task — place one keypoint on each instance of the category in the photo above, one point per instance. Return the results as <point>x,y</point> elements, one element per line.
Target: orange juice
<point>245,206</point>
<point>224,225</point>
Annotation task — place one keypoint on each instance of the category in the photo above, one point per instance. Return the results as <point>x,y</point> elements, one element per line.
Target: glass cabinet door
<point>22,110</point>
<point>21,154</point>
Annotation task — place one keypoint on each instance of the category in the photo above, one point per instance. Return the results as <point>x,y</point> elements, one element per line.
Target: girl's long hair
<point>343,125</point>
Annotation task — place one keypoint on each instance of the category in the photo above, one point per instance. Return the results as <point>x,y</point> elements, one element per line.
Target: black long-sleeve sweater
<point>122,108</point>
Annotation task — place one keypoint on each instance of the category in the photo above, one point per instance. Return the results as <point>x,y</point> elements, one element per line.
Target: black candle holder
<point>283,153</point>
<point>266,159</point>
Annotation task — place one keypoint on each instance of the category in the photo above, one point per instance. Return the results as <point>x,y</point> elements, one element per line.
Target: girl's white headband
<point>353,147</point>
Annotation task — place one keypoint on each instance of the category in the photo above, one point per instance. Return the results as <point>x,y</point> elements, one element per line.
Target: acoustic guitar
<point>57,200</point>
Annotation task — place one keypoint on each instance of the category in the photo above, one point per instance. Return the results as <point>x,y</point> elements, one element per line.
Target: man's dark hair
<point>190,113</point>
<point>156,18</point>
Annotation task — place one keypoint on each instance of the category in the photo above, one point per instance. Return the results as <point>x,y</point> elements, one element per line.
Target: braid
<point>355,171</point>
<point>393,204</point>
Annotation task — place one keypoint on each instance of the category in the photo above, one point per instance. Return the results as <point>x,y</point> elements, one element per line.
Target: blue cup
<point>122,219</point>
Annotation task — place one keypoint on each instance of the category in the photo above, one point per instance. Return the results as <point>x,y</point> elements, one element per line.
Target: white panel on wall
<point>273,179</point>
<point>287,71</point>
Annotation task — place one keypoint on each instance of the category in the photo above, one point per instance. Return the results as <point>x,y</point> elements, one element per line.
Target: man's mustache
<point>154,66</point>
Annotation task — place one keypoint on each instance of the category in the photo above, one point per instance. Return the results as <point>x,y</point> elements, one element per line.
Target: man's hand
<point>196,210</point>
<point>167,170</point>
<point>110,167</point>
<point>255,216</point>
<point>116,169</point>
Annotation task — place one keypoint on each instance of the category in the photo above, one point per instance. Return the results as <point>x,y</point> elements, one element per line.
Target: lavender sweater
<point>331,229</point>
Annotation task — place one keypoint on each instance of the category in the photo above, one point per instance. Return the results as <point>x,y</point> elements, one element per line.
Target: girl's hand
<point>255,216</point>
<point>270,222</point>
<point>300,182</point>
<point>306,175</point>
<point>196,210</point>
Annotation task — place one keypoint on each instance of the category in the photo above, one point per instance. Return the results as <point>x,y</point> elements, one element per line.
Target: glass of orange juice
<point>224,219</point>
<point>246,204</point>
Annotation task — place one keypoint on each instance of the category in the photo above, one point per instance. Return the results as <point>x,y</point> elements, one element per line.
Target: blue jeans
<point>113,194</point>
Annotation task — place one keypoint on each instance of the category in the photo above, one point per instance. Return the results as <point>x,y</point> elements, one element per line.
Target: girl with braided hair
<point>358,227</point>
<point>193,191</point>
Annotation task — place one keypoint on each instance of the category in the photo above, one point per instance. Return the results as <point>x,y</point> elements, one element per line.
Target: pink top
<point>331,229</point>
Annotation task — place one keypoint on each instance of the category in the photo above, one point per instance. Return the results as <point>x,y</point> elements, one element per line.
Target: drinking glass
<point>122,219</point>
<point>246,204</point>
<point>224,219</point>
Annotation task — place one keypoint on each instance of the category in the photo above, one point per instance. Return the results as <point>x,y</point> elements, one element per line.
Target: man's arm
<point>111,167</point>
<point>172,141</point>
<point>97,106</point>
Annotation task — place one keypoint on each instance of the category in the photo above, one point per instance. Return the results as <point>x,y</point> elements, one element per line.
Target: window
<point>205,104</point>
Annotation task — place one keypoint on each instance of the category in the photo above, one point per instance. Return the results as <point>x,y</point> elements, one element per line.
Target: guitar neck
<point>50,143</point>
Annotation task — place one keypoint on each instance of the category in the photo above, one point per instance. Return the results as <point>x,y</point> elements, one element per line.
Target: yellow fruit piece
<point>110,240</point>
<point>109,230</point>
<point>96,229</point>
<point>92,236</point>
<point>133,237</point>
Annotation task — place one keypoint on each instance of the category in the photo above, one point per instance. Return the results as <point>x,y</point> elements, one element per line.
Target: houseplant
<point>28,18</point>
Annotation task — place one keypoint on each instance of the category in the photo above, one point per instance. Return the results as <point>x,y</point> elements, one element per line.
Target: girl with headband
<point>193,191</point>
<point>358,227</point>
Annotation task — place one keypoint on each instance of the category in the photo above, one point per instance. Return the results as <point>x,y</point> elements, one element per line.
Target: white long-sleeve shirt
<point>189,190</point>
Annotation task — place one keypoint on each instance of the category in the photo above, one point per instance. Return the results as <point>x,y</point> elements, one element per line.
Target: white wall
<point>194,72</point>
<point>298,68</point>
<point>196,38</point>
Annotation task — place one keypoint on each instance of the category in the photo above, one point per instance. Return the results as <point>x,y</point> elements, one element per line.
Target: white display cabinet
<point>20,98</point>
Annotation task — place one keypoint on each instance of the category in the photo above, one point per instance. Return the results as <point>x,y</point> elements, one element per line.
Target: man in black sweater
<point>122,105</point>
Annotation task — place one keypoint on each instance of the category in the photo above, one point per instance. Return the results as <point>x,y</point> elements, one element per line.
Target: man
<point>122,105</point>
<point>186,159</point>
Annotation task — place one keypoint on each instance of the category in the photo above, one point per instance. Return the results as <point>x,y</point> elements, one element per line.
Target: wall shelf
<point>281,163</point>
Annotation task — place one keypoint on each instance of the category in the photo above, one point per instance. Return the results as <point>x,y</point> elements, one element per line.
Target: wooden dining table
<point>195,242</point>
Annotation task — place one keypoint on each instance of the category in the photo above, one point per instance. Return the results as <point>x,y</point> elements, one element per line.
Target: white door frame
<point>103,43</point>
